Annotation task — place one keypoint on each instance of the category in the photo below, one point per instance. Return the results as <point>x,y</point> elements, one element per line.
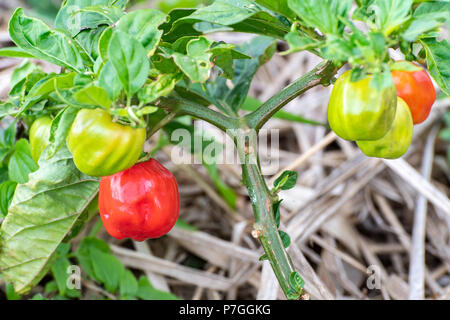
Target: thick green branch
<point>265,228</point>
<point>321,74</point>
<point>182,106</point>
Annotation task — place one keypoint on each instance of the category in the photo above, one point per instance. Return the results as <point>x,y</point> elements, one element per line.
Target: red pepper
<point>417,90</point>
<point>139,203</point>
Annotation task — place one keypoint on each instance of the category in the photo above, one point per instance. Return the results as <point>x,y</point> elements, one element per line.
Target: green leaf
<point>279,6</point>
<point>38,296</point>
<point>261,50</point>
<point>196,62</point>
<point>161,87</point>
<point>89,40</point>
<point>7,108</point>
<point>184,225</point>
<point>286,181</point>
<point>36,38</point>
<point>173,29</point>
<point>226,12</point>
<point>7,189</point>
<point>107,268</point>
<point>130,61</point>
<point>298,42</point>
<point>14,52</point>
<point>337,49</point>
<point>50,83</point>
<point>61,275</point>
<point>3,174</point>
<point>8,136</point>
<point>143,26</point>
<point>11,293</point>
<point>391,14</point>
<point>91,17</point>
<point>296,281</point>
<point>19,76</point>
<point>323,15</point>
<point>59,130</point>
<point>444,135</point>
<point>110,81</point>
<point>224,56</point>
<point>51,287</point>
<point>103,43</point>
<point>285,238</point>
<point>83,254</point>
<point>45,86</point>
<point>438,58</point>
<point>21,164</point>
<point>276,212</point>
<point>67,19</point>
<point>382,79</point>
<point>41,213</point>
<point>147,292</point>
<point>427,17</point>
<point>169,5</point>
<point>128,284</point>
<point>240,15</point>
<point>362,12</point>
<point>228,194</point>
<point>94,96</point>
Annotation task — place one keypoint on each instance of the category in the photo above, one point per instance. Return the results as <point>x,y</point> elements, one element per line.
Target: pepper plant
<point>143,71</point>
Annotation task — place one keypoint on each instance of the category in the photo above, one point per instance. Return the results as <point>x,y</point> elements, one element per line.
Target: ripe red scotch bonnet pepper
<point>359,111</point>
<point>139,203</point>
<point>416,88</point>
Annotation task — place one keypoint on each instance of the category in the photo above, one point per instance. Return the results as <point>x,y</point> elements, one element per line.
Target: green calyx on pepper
<point>397,141</point>
<point>359,111</point>
<point>102,147</point>
<point>39,136</point>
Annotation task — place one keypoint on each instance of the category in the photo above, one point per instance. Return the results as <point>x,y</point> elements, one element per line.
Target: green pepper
<point>39,136</point>
<point>396,142</point>
<point>102,147</point>
<point>358,111</point>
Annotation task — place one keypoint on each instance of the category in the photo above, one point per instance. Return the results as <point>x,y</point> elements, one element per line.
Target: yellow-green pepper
<point>358,111</point>
<point>102,147</point>
<point>396,142</point>
<point>39,136</point>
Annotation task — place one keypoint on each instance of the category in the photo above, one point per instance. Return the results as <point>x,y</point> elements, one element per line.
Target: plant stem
<point>321,74</point>
<point>182,106</point>
<point>265,228</point>
<point>169,117</point>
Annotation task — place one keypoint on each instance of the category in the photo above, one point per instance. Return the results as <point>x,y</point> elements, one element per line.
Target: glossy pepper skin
<point>357,111</point>
<point>39,136</point>
<point>397,141</point>
<point>101,147</point>
<point>139,203</point>
<point>417,89</point>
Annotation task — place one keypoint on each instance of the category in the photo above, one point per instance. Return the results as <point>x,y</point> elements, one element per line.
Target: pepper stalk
<point>241,130</point>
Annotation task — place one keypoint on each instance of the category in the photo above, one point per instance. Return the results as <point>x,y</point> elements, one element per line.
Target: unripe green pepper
<point>39,136</point>
<point>101,147</point>
<point>396,142</point>
<point>358,111</point>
